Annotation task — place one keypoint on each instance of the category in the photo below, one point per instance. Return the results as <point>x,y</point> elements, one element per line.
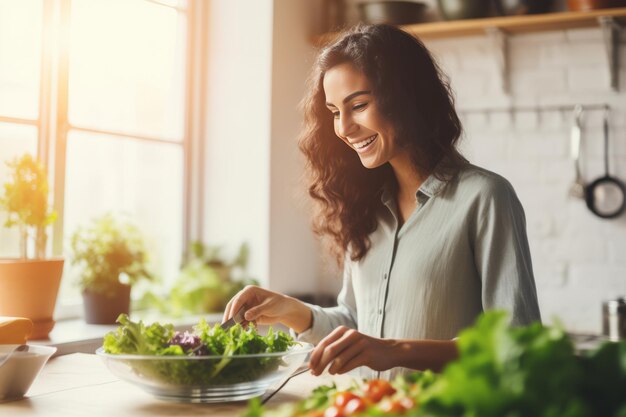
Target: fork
<point>296,373</point>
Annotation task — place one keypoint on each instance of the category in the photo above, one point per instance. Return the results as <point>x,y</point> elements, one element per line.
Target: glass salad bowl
<point>207,379</point>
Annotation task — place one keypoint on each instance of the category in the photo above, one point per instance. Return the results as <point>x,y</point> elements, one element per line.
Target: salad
<point>376,397</point>
<point>211,352</point>
<point>501,372</point>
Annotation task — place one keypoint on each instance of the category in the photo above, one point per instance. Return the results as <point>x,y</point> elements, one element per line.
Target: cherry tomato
<point>333,411</point>
<point>342,398</point>
<point>376,389</point>
<point>391,406</point>
<point>407,402</point>
<point>355,405</point>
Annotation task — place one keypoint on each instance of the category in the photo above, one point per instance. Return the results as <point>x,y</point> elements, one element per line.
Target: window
<point>99,90</point>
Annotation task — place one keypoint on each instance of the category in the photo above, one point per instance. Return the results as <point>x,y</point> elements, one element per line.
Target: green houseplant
<point>29,284</point>
<point>206,282</point>
<point>111,256</point>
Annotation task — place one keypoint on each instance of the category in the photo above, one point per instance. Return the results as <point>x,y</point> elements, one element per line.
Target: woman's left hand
<point>347,349</point>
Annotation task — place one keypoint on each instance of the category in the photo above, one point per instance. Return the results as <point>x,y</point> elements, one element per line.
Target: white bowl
<point>20,370</point>
<point>206,379</point>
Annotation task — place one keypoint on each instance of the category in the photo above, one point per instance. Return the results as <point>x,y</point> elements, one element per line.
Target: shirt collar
<point>429,188</point>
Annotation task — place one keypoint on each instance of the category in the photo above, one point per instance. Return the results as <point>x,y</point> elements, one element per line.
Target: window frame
<point>53,122</point>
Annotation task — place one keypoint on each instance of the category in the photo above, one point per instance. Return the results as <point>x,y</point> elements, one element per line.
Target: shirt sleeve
<point>502,255</point>
<point>325,320</point>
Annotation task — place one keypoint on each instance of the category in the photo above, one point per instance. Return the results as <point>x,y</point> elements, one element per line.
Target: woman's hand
<point>268,307</point>
<point>347,349</point>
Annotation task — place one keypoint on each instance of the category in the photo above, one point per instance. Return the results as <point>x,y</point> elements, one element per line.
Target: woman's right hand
<point>267,307</point>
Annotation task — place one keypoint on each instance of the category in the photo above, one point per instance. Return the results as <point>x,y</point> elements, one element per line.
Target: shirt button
<point>385,276</point>
<point>380,311</point>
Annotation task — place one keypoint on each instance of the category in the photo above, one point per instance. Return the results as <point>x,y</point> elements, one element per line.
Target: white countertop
<point>81,385</point>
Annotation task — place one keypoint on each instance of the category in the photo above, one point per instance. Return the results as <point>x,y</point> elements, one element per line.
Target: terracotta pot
<point>586,5</point>
<point>105,308</point>
<point>29,288</point>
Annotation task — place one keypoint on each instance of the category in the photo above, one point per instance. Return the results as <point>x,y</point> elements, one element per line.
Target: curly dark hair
<point>412,93</point>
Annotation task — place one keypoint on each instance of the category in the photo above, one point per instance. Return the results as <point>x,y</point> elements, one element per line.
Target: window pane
<point>174,3</point>
<point>15,140</point>
<point>127,67</point>
<point>140,179</point>
<point>20,57</point>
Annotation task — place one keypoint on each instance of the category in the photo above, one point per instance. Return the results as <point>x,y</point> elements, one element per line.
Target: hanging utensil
<point>606,196</point>
<point>577,189</point>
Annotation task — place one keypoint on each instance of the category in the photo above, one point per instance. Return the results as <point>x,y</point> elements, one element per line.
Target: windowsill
<point>76,336</point>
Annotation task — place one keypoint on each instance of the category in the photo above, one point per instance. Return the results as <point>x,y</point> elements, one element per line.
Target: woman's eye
<point>359,106</point>
<point>335,114</point>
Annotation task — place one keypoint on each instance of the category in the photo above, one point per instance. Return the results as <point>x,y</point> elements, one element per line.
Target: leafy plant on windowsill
<point>207,281</point>
<point>109,252</point>
<point>29,285</point>
<point>26,202</point>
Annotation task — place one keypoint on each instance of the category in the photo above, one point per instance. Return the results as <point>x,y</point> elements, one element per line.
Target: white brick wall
<point>579,259</point>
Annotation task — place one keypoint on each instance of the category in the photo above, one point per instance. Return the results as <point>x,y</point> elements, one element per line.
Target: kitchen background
<point>253,57</point>
<point>579,259</point>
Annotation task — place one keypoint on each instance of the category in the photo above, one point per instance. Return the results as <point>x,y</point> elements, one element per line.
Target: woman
<point>428,240</point>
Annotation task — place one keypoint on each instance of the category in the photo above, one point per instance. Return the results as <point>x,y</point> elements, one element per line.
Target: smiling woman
<point>427,240</point>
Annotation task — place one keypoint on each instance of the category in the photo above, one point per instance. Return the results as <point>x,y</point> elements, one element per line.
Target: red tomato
<point>407,402</point>
<point>342,398</point>
<point>333,411</point>
<point>376,389</point>
<point>355,405</point>
<point>391,406</point>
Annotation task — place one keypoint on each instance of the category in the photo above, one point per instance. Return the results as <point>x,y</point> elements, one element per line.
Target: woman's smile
<point>364,145</point>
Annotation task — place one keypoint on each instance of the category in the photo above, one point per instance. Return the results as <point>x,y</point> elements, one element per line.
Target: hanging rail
<point>533,109</point>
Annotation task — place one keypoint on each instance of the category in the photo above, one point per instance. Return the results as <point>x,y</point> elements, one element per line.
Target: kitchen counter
<point>80,385</point>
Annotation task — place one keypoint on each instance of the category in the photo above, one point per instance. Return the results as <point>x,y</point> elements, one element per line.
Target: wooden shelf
<point>612,22</point>
<point>508,24</point>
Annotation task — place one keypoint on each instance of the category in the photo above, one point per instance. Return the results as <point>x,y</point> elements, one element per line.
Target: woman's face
<point>357,119</point>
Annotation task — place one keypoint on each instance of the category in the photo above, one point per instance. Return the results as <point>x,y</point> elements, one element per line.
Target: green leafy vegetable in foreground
<point>158,340</point>
<point>501,371</point>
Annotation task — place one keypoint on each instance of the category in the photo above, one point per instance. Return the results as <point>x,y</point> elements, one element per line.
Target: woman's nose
<point>346,126</point>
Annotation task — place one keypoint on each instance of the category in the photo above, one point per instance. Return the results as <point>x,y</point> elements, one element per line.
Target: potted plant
<point>29,284</point>
<point>207,281</point>
<point>111,257</point>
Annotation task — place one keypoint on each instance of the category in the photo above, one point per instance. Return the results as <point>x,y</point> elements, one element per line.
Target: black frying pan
<point>606,196</point>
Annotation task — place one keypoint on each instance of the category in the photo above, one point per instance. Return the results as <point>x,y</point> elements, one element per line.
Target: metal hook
<point>605,126</point>
<point>576,132</point>
<point>578,113</point>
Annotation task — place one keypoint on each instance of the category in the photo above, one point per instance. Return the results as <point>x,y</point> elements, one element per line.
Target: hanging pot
<point>606,196</point>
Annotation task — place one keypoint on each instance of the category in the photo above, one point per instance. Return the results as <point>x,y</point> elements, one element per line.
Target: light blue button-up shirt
<point>462,251</point>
